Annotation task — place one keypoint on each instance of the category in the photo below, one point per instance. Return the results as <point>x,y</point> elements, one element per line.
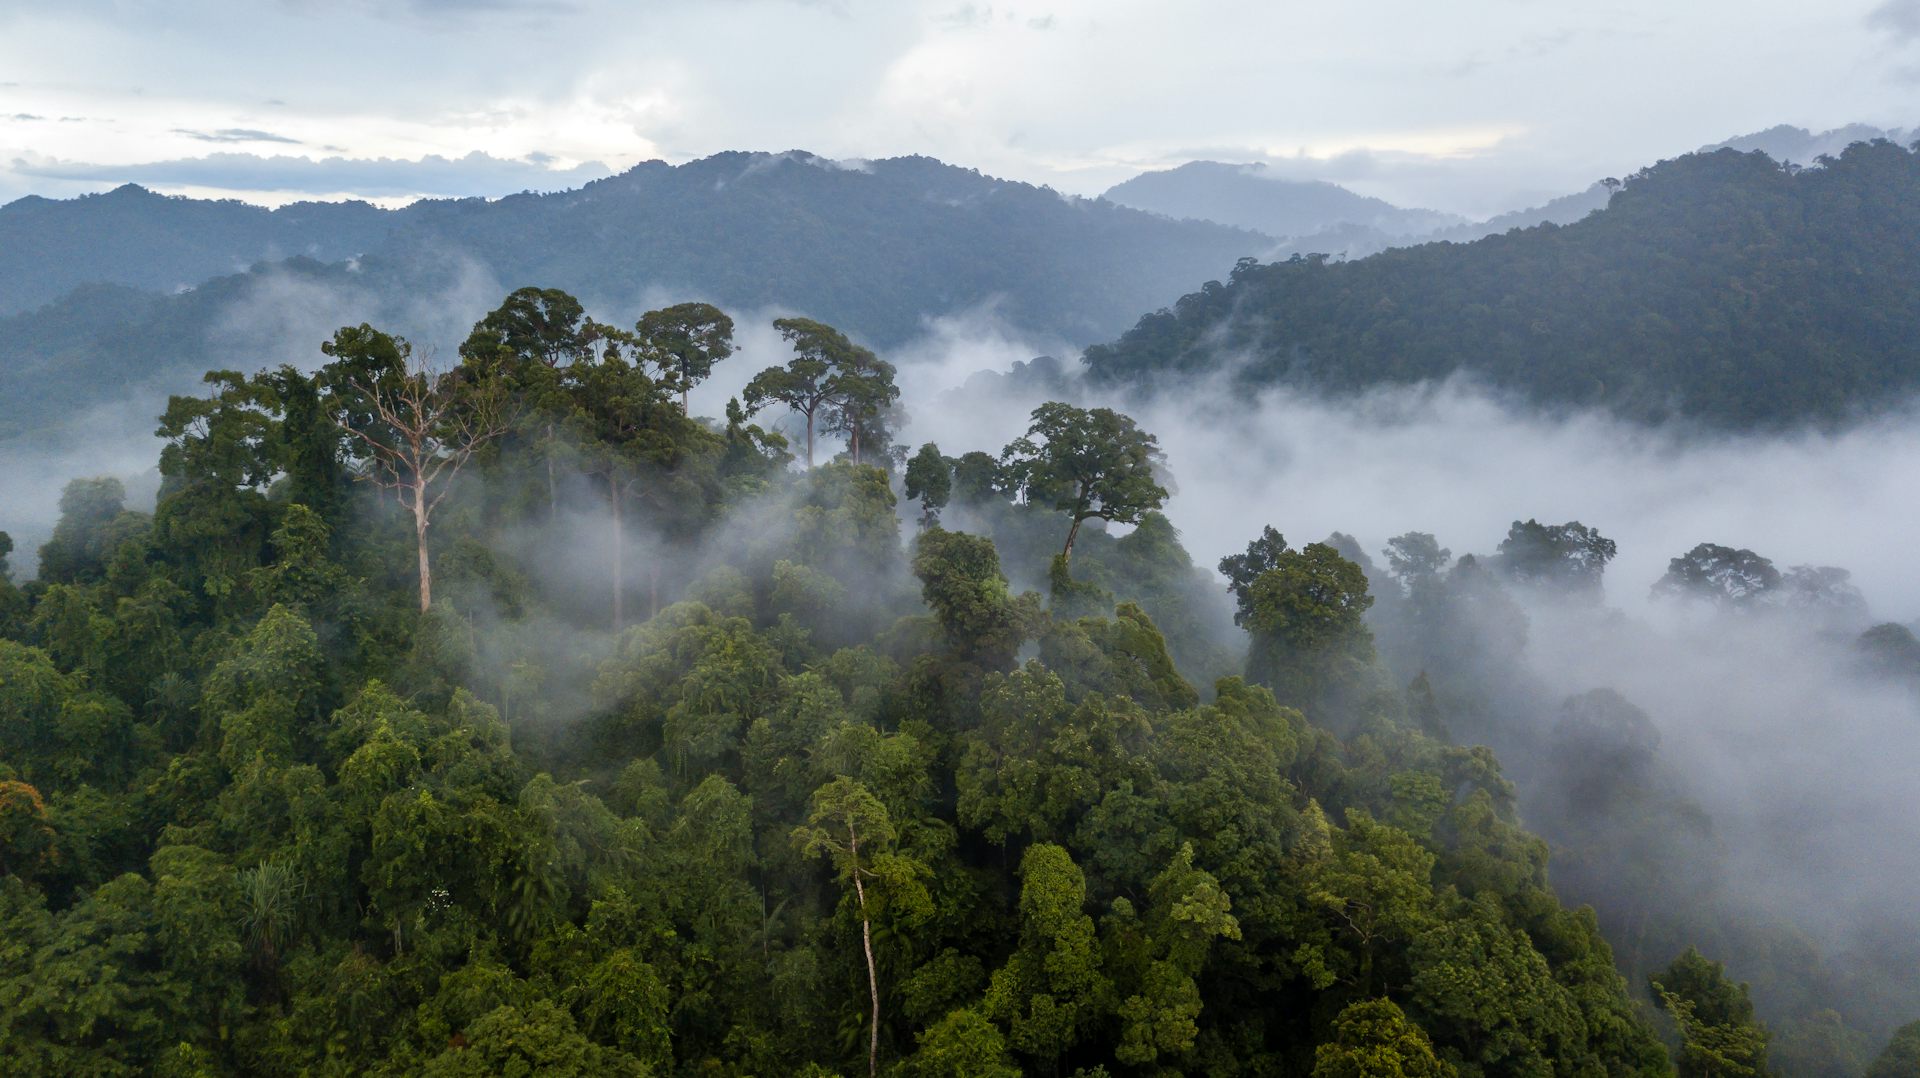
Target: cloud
<point>24,116</point>
<point>1900,18</point>
<point>376,177</point>
<point>235,134</point>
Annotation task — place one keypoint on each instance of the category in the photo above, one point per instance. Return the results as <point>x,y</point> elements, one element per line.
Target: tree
<point>631,437</point>
<point>1901,1057</point>
<point>867,395</point>
<point>1568,556</point>
<point>1307,619</point>
<point>1087,464</point>
<point>1241,570</point>
<point>533,325</point>
<point>26,838</point>
<point>418,427</point>
<point>812,381</point>
<point>1723,576</point>
<point>960,580</point>
<point>842,810</point>
<point>1416,558</point>
<point>962,1045</point>
<point>535,340</point>
<point>84,538</point>
<point>1720,1038</point>
<point>930,479</point>
<point>1374,1039</point>
<point>13,605</point>
<point>1051,988</point>
<point>684,341</point>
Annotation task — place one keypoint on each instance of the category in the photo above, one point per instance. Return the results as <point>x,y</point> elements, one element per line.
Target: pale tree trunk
<point>420,540</point>
<point>553,497</point>
<point>619,553</point>
<point>854,433</point>
<point>809,441</point>
<point>866,941</point>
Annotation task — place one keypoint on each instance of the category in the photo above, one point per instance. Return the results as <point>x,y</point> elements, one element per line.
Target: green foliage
<point>260,813</point>
<point>1719,1037</point>
<point>1374,1039</point>
<point>961,582</point>
<point>877,250</point>
<point>1901,1055</point>
<point>1720,286</point>
<point>929,478</point>
<point>1087,464</point>
<point>1305,617</point>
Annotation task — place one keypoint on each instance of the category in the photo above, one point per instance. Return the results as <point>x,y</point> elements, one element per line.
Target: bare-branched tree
<point>419,427</point>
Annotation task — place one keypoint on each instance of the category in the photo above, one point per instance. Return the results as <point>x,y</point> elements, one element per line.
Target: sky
<point>1473,107</point>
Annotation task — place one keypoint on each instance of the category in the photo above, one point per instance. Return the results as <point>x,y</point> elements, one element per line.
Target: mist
<point>1765,723</point>
<point>1800,763</point>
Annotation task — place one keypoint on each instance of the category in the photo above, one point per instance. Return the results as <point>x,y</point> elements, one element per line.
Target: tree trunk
<point>619,553</point>
<point>1066,552</point>
<point>553,498</point>
<point>683,399</point>
<point>854,432</point>
<point>866,941</point>
<point>653,585</point>
<point>809,441</point>
<point>420,539</point>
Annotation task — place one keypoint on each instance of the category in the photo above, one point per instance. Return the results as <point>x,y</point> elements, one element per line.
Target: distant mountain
<point>1720,287</point>
<point>1803,147</point>
<point>1315,217</point>
<point>131,236</point>
<point>1250,196</point>
<point>877,250</point>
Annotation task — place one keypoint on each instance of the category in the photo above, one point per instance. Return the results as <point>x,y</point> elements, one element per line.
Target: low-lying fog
<point>1804,766</point>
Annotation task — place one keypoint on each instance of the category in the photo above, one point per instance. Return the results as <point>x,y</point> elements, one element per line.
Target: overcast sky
<point>1472,106</point>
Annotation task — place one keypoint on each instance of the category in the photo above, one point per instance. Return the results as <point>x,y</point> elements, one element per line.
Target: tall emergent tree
<point>417,426</point>
<point>684,341</point>
<point>1570,557</point>
<point>828,378</point>
<point>536,340</point>
<point>867,395</point>
<point>930,479</point>
<point>629,435</point>
<point>1720,575</point>
<point>1086,463</point>
<point>843,810</point>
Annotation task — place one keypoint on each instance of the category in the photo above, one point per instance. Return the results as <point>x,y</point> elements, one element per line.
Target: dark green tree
<point>929,478</point>
<point>1725,577</point>
<point>1086,463</point>
<point>1569,557</point>
<point>684,341</point>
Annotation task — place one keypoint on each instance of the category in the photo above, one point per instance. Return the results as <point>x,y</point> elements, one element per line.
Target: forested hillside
<point>507,719</point>
<point>877,247</point>
<point>878,250</point>
<point>130,236</point>
<point>1721,287</point>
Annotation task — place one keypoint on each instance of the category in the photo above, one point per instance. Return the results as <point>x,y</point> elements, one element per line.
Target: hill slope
<point>1717,286</point>
<point>131,236</point>
<point>875,249</point>
<point>1245,196</point>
